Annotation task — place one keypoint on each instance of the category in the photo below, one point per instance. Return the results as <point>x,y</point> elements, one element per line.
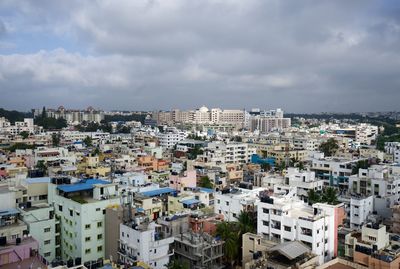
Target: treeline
<point>13,115</point>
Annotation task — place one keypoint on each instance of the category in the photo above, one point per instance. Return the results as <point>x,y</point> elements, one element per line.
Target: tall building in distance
<point>267,121</point>
<point>72,116</point>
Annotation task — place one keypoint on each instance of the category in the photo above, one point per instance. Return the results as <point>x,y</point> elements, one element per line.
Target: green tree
<point>55,138</point>
<point>329,196</point>
<point>228,232</point>
<point>205,182</point>
<point>247,222</point>
<point>24,134</point>
<point>88,141</point>
<point>362,164</point>
<point>176,264</point>
<point>41,166</point>
<point>313,196</point>
<point>265,166</point>
<point>16,146</point>
<point>329,147</point>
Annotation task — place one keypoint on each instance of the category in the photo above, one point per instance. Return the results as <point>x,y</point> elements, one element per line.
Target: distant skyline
<point>303,56</point>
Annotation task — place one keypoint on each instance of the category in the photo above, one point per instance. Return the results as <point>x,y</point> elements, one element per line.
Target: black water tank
<point>78,261</point>
<point>3,241</point>
<point>18,241</point>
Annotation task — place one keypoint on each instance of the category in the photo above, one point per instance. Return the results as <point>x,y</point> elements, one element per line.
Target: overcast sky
<point>300,55</point>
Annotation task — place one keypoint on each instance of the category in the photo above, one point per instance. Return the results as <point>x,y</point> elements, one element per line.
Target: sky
<point>299,55</point>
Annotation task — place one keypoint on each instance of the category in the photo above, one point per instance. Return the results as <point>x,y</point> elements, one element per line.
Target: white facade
<point>170,138</point>
<point>142,242</point>
<point>231,203</point>
<point>239,152</point>
<point>360,209</point>
<point>286,219</point>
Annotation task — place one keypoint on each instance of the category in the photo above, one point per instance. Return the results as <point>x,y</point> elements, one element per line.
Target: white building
<point>393,148</point>
<point>286,219</point>
<point>360,209</point>
<point>141,240</point>
<point>239,152</point>
<point>231,202</point>
<point>19,126</point>
<point>170,137</point>
<point>304,181</point>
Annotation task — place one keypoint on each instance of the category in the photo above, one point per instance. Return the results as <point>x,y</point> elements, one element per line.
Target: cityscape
<point>212,134</point>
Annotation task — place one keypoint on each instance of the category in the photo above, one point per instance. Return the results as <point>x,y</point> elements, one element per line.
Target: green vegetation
<point>55,139</point>
<point>329,195</point>
<point>94,126</point>
<point>196,137</point>
<point>329,147</point>
<point>363,164</point>
<point>13,115</point>
<point>194,152</point>
<point>205,182</point>
<point>176,264</point>
<point>237,139</point>
<point>382,139</point>
<point>88,141</point>
<point>16,146</point>
<point>24,134</point>
<point>232,232</point>
<point>41,166</point>
<point>50,123</point>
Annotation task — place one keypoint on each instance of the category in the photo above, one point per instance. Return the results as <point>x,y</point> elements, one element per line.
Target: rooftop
<point>83,185</point>
<point>159,191</point>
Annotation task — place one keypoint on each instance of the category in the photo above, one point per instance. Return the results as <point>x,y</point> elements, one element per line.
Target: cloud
<point>299,55</point>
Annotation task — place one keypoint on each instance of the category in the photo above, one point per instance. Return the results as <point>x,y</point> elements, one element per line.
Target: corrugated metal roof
<point>190,202</point>
<point>83,185</point>
<point>206,190</point>
<point>158,192</point>
<point>291,250</point>
<point>37,180</point>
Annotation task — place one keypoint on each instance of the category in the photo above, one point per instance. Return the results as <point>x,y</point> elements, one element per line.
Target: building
<point>372,247</point>
<point>72,116</point>
<point>80,208</point>
<point>144,241</point>
<point>19,126</point>
<point>286,218</point>
<point>230,202</point>
<point>170,137</point>
<point>269,121</point>
<point>199,250</point>
<point>237,152</point>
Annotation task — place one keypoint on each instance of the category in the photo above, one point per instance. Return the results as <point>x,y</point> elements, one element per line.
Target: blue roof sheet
<point>7,212</point>
<point>37,180</point>
<point>159,191</point>
<point>83,185</point>
<point>206,190</point>
<point>191,202</point>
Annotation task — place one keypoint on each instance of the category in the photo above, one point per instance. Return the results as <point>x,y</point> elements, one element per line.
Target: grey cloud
<point>299,55</point>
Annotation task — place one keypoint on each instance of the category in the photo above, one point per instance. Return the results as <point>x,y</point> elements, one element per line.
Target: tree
<point>265,166</point>
<point>41,166</point>
<point>55,138</point>
<point>330,196</point>
<point>205,182</point>
<point>313,196</point>
<point>246,222</point>
<point>175,264</point>
<point>228,232</point>
<point>88,141</point>
<point>22,146</point>
<point>363,164</point>
<point>329,147</point>
<point>24,134</point>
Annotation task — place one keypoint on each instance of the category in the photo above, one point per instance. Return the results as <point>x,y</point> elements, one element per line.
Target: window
<point>47,254</point>
<point>234,215</point>
<point>97,209</point>
<point>87,251</point>
<point>287,228</point>
<point>99,224</point>
<point>265,210</point>
<point>47,242</point>
<point>87,239</point>
<point>46,230</point>
<point>87,226</point>
<point>227,203</point>
<point>60,208</point>
<point>265,223</point>
<point>99,236</point>
<point>99,248</point>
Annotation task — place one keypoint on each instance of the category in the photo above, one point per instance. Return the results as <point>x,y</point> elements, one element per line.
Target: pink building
<point>13,253</point>
<point>185,179</point>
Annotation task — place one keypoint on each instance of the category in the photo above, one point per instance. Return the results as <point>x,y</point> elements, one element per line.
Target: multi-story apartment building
<point>335,171</point>
<point>42,226</point>
<point>372,247</point>
<point>80,208</point>
<point>269,121</point>
<point>170,137</point>
<point>304,181</point>
<point>72,116</point>
<point>237,152</point>
<point>286,219</point>
<point>231,202</point>
<point>144,241</point>
<point>393,148</point>
<point>360,208</point>
<point>19,126</point>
